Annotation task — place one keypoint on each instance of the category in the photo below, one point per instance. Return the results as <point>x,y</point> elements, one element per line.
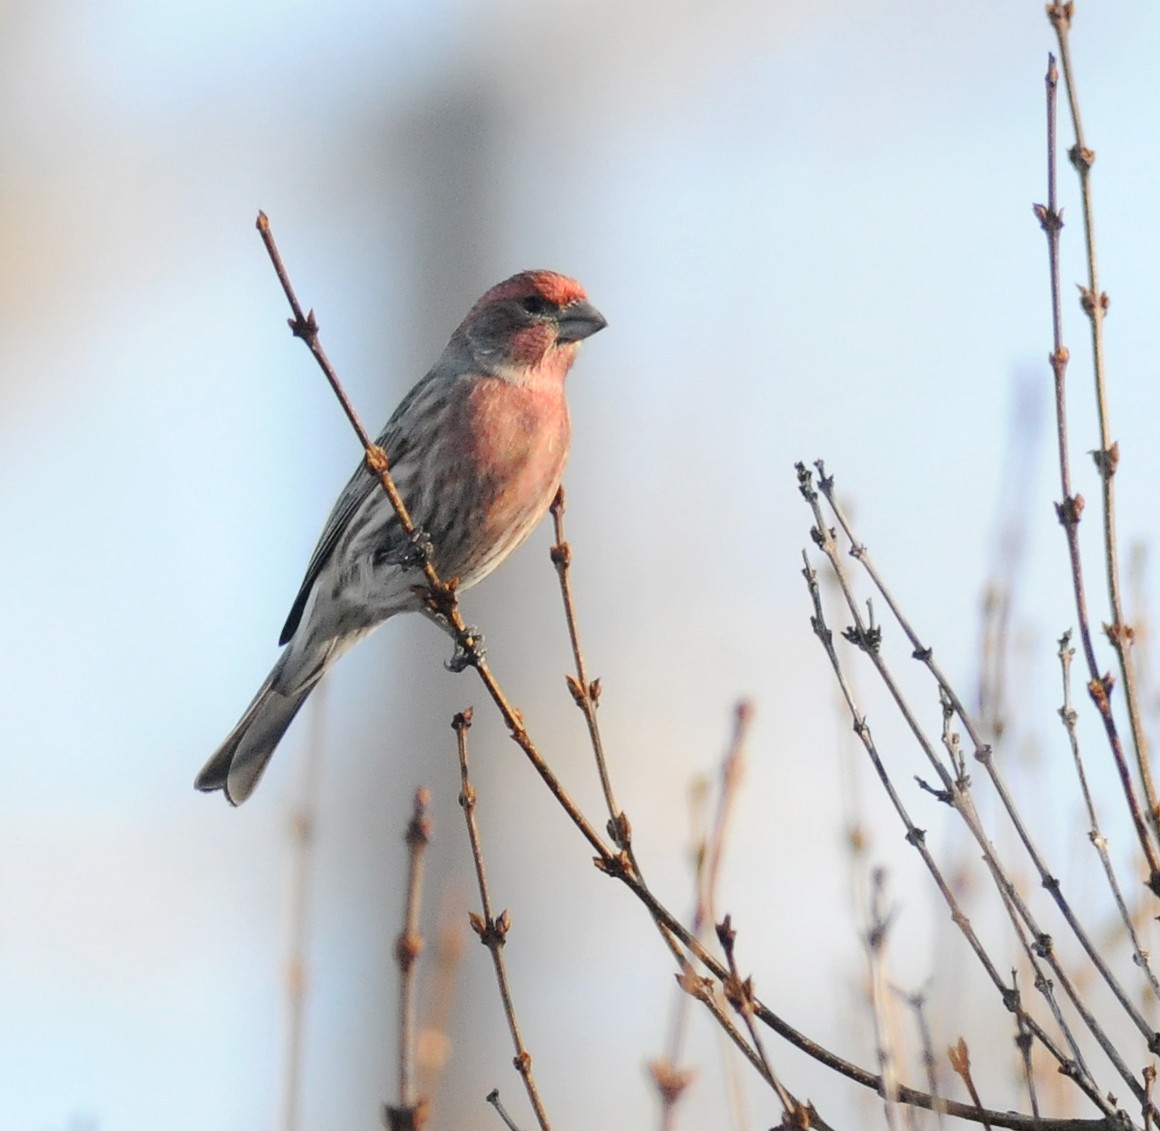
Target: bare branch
<point>961,799</point>
<point>960,1058</point>
<point>302,840</point>
<point>492,930</point>
<point>585,691</point>
<point>410,942</point>
<point>493,1099</point>
<point>1094,302</point>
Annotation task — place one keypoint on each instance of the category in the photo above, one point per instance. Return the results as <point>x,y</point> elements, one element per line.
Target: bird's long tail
<point>237,765</point>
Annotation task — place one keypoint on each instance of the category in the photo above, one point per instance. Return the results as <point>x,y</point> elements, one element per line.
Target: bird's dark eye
<point>538,305</point>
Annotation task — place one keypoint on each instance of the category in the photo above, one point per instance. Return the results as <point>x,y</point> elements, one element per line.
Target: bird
<point>477,451</point>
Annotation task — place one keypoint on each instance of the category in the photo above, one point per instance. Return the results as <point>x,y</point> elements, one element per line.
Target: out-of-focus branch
<point>411,1112</point>
<point>669,1078</point>
<point>433,1045</point>
<point>917,1003</point>
<point>732,770</point>
<point>878,928</point>
<point>302,838</point>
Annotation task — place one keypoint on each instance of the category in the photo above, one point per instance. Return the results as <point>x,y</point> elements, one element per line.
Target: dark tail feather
<point>237,765</point>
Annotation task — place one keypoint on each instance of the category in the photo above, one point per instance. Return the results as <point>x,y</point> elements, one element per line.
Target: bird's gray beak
<point>579,320</point>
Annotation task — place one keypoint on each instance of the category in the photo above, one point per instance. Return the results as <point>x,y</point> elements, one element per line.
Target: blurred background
<point>809,227</point>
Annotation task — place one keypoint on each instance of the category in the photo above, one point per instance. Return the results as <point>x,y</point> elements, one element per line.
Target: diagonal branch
<point>617,864</point>
<point>961,799</point>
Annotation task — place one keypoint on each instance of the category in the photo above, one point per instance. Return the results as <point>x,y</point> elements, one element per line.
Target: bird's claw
<point>469,651</point>
<point>415,554</point>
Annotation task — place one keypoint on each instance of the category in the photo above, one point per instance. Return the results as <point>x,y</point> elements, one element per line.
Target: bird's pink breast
<point>520,435</point>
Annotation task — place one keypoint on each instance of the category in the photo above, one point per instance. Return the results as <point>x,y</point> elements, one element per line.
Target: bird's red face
<point>532,322</point>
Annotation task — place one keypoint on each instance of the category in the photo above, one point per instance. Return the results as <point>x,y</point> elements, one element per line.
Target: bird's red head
<point>556,289</point>
<point>531,322</point>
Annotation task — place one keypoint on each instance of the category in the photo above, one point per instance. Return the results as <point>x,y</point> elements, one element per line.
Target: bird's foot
<point>414,554</point>
<point>469,651</point>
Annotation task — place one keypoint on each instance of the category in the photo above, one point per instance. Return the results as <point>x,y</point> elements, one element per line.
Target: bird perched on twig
<point>476,449</point>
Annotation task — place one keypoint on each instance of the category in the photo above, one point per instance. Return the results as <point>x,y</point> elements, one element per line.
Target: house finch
<point>476,450</point>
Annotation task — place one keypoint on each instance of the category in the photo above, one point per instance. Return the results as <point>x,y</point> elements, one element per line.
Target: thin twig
<point>585,691</point>
<point>1023,1044</point>
<point>433,1047</point>
<point>1067,714</point>
<point>739,994</point>
<point>302,836</point>
<point>1070,510</point>
<point>996,630</point>
<point>879,926</point>
<point>917,1003</point>
<point>916,836</point>
<point>797,1116</point>
<point>410,943</point>
<point>732,771</point>
<point>960,1058</point>
<point>441,595</point>
<point>669,1079</point>
<point>410,1113</point>
<point>952,792</point>
<point>1095,305</point>
<point>1036,947</point>
<point>492,931</point>
<point>493,1099</point>
<point>1112,1120</point>
<point>734,1086</point>
<point>960,797</point>
<point>670,1082</point>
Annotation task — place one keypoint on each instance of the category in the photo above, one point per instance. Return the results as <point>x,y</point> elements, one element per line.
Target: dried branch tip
<point>1107,460</point>
<point>620,830</point>
<point>493,1099</point>
<point>960,1057</point>
<point>406,1118</point>
<point>1060,15</point>
<point>1070,511</point>
<point>408,947</point>
<point>419,827</point>
<point>492,932</point>
<point>670,1082</point>
<point>576,689</point>
<point>726,935</point>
